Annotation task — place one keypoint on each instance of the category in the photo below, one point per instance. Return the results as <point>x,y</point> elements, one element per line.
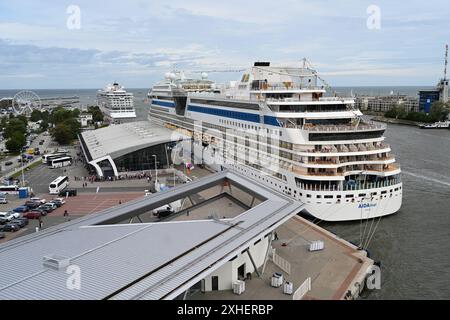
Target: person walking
<point>66,214</point>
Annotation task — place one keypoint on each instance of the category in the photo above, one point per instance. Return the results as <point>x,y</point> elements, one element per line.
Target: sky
<point>46,44</point>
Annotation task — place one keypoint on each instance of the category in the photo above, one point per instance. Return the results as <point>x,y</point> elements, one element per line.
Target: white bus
<point>47,157</point>
<point>13,189</point>
<point>58,184</point>
<point>59,162</point>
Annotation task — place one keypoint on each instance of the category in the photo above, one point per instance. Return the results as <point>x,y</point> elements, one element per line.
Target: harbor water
<point>413,245</point>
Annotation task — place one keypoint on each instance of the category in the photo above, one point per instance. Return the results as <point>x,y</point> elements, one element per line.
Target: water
<point>414,244</point>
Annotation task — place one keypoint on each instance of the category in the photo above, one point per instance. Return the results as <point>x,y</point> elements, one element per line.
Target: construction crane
<point>219,71</point>
<point>446,62</point>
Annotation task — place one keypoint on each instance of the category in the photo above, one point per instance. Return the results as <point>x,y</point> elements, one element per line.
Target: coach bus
<point>58,184</point>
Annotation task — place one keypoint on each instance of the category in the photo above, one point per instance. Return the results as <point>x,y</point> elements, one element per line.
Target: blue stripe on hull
<point>251,117</point>
<point>163,103</point>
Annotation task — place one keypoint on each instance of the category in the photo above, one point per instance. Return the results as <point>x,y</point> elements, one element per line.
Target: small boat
<point>436,125</point>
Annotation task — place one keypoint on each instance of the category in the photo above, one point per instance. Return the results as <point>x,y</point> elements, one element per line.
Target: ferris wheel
<point>24,102</point>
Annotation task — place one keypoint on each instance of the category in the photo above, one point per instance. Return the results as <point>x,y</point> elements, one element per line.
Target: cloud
<point>152,37</point>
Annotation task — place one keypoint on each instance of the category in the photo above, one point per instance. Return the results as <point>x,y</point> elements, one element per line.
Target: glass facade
<point>144,160</point>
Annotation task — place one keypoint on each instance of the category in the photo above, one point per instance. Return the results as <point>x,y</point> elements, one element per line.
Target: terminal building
<point>128,147</point>
<point>107,256</point>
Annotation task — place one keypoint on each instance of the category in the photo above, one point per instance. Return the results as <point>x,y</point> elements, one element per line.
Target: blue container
<point>23,193</point>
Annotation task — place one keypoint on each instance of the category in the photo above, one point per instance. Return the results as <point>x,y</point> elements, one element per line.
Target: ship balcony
<point>355,185</point>
<point>259,86</point>
<point>335,163</point>
<point>347,149</point>
<point>343,128</point>
<point>342,172</point>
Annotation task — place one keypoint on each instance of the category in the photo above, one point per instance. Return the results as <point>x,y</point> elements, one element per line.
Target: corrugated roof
<point>138,261</point>
<point>119,139</point>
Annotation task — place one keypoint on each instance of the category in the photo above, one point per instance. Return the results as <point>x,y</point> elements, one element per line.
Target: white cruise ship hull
<point>332,206</point>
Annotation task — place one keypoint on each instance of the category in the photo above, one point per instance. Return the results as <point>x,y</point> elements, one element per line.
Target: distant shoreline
<point>395,121</point>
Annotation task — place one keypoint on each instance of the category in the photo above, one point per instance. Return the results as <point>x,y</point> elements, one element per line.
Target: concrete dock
<point>334,271</point>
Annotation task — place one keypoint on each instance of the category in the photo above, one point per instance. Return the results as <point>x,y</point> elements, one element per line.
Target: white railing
<point>340,128</point>
<point>285,86</point>
<point>335,99</point>
<point>282,263</point>
<point>302,290</point>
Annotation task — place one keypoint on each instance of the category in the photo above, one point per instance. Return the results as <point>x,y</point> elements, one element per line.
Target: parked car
<point>163,211</point>
<point>23,219</point>
<point>8,163</point>
<point>43,212</point>
<point>36,199</point>
<point>3,200</point>
<point>33,214</point>
<point>21,209</point>
<point>21,223</point>
<point>10,227</point>
<point>9,215</point>
<point>56,202</point>
<point>32,204</point>
<point>51,205</point>
<point>60,200</point>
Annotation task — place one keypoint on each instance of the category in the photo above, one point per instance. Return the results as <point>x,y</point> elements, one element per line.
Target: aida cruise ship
<point>116,104</point>
<point>278,126</point>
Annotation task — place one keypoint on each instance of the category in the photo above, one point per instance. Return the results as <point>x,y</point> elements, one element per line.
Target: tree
<point>36,115</point>
<point>438,111</point>
<point>15,125</point>
<point>62,133</point>
<point>59,115</point>
<point>75,113</point>
<point>44,126</point>
<point>16,142</point>
<point>97,115</point>
<point>74,126</point>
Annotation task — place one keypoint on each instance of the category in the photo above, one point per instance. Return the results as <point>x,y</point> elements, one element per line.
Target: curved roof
<point>120,139</point>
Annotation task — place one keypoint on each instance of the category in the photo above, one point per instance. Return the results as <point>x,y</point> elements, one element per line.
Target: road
<point>5,170</point>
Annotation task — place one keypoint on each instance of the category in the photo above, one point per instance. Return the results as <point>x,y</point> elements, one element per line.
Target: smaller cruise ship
<point>116,104</point>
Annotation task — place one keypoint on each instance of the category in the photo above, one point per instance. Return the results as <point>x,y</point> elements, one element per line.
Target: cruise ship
<point>116,104</point>
<point>277,125</point>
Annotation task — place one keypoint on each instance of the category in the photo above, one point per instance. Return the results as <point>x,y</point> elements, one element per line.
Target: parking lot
<point>82,204</point>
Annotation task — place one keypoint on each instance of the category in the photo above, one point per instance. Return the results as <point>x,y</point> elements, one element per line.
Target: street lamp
<point>156,170</point>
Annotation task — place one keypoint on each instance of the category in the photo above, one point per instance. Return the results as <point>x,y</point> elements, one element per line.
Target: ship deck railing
<point>358,185</point>
<point>343,149</point>
<point>284,86</point>
<point>343,128</point>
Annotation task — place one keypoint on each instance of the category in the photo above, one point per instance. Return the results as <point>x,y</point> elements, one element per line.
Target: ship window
<point>338,196</point>
<point>318,196</point>
<point>308,196</point>
<point>383,192</point>
<point>349,196</point>
<point>328,197</point>
<point>361,195</point>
